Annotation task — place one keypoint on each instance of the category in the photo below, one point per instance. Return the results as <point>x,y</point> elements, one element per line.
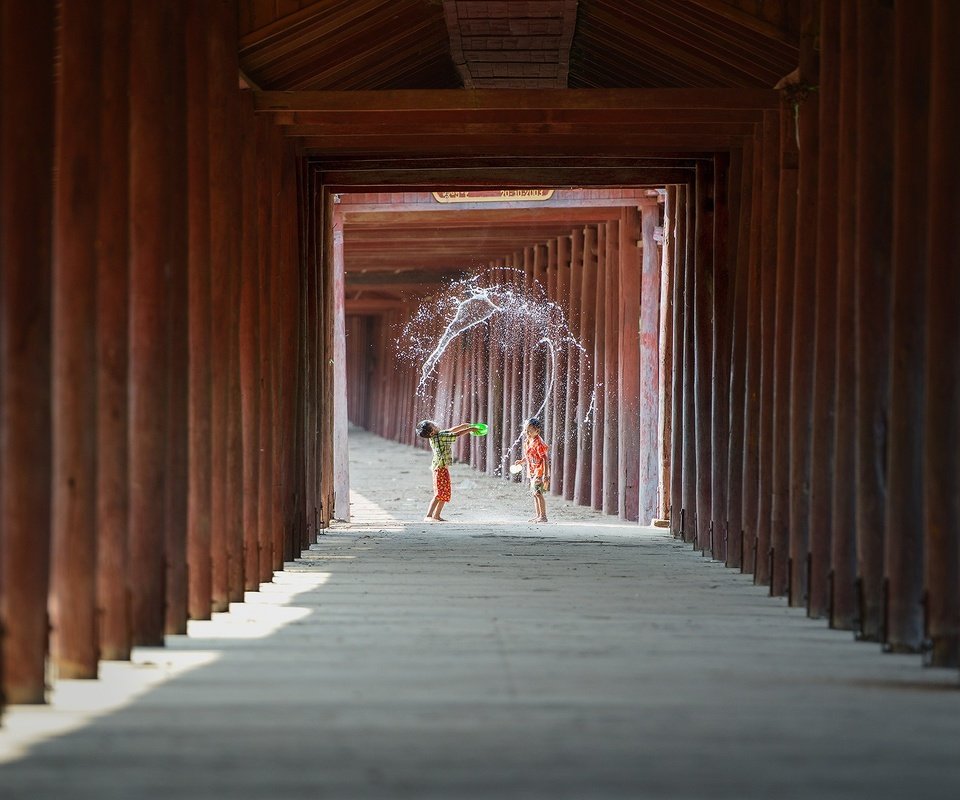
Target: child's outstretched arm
<point>459,430</point>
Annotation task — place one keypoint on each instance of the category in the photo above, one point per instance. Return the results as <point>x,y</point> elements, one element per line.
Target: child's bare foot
<point>534,519</point>
<point>429,519</point>
<point>541,519</point>
<point>439,519</point>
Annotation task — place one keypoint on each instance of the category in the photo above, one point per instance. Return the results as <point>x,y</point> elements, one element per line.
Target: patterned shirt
<point>535,454</point>
<point>442,454</point>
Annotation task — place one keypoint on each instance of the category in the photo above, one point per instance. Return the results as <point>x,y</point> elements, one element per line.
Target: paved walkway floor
<point>487,658</point>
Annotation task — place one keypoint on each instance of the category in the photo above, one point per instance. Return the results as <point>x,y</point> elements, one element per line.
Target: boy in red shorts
<point>440,442</point>
<point>538,467</point>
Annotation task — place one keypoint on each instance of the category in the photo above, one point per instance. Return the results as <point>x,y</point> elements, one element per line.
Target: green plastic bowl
<point>482,429</point>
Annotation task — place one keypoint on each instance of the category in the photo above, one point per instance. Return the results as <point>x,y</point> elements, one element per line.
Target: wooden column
<point>637,427</point>
<point>341,447</point>
<point>843,555</point>
<point>495,372</point>
<point>737,448</point>
<point>703,349</point>
<point>904,540</point>
<point>674,231</point>
<point>611,343</point>
<point>872,287</point>
<point>824,391</point>
<point>573,414</point>
<point>74,642</point>
<point>250,350</point>
<point>767,310</point>
<point>150,253</point>
<point>26,159</point>
<point>665,360</point>
<point>725,199</point>
<point>586,397</point>
<point>113,594</point>
<point>177,312</point>
<point>597,474</point>
<point>804,302</point>
<point>786,258</point>
<point>752,375</point>
<point>688,525</point>
<point>561,298</point>
<point>941,443</point>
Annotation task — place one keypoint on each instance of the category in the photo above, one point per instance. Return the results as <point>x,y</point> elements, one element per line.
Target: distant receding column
<point>904,541</point>
<point>74,642</point>
<point>112,332</point>
<point>824,378</point>
<point>941,424</point>
<point>559,442</point>
<point>872,288</point>
<point>665,360</point>
<point>26,162</point>
<point>674,240</point>
<point>843,555</point>
<point>572,413</point>
<point>688,514</point>
<point>586,398</point>
<point>642,466</point>
<point>597,476</point>
<point>611,335</point>
<point>633,444</point>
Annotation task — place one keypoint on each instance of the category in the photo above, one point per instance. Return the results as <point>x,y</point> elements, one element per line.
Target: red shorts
<point>441,484</point>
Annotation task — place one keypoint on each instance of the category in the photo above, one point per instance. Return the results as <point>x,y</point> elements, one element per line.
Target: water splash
<point>508,312</point>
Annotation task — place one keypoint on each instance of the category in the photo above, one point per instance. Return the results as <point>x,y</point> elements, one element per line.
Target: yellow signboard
<point>493,195</point>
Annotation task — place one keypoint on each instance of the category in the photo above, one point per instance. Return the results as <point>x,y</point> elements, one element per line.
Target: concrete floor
<point>490,659</point>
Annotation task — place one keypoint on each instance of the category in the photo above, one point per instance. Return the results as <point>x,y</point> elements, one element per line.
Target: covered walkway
<point>488,658</point>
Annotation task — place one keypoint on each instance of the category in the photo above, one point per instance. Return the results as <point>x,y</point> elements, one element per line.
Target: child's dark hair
<point>423,428</point>
<point>534,422</point>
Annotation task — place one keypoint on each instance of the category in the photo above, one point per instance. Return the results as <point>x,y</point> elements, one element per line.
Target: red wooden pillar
<point>941,442</point>
<point>767,310</point>
<point>633,361</point>
<point>267,472</point>
<point>250,350</point>
<point>611,344</point>
<point>702,329</point>
<point>843,556</point>
<point>341,447</point>
<point>175,484</point>
<point>738,449</point>
<point>586,391</point>
<point>786,257</point>
<point>804,303</point>
<point>726,192</point>
<point>824,391</point>
<point>752,377</point>
<point>642,463</point>
<point>559,442</point>
<point>597,474</point>
<point>150,252</point>
<point>112,331</point>
<point>675,240</point>
<point>872,287</point>
<point>904,540</point>
<point>74,645</point>
<point>688,524</point>
<point>572,415</point>
<point>495,374</point>
<point>665,359</point>
<point>26,156</point>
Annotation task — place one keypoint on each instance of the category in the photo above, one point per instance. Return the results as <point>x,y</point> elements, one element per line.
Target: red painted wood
<point>26,157</point>
<point>632,447</point>
<point>675,237</point>
<point>112,331</point>
<point>872,286</point>
<point>74,642</point>
<point>665,362</point>
<point>844,600</point>
<point>586,398</point>
<point>689,449</point>
<point>644,489</point>
<point>824,379</point>
<point>572,414</point>
<point>561,295</point>
<point>611,336</point>
<point>597,475</point>
<point>942,429</point>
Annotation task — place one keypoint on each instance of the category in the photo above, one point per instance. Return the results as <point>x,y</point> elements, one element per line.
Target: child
<point>538,467</point>
<point>440,442</point>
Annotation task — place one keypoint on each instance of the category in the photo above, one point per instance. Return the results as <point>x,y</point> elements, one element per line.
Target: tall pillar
<point>26,159</point>
<point>768,283</point>
<point>824,338</point>
<point>903,554</point>
<point>665,361</point>
<point>560,296</point>
<point>597,475</point>
<point>688,522</point>
<point>573,414</point>
<point>586,392</point>
<point>112,331</point>
<point>611,386</point>
<point>804,301</point>
<point>843,553</point>
<point>872,292</point>
<point>74,642</point>
<point>647,458</point>
<point>674,239</point>
<point>941,443</point>
<point>636,425</point>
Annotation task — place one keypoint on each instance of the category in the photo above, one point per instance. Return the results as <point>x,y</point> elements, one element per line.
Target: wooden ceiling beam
<point>320,130</point>
<point>346,178</point>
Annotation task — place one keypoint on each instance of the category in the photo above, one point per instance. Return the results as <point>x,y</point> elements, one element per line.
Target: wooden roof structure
<point>508,92</point>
